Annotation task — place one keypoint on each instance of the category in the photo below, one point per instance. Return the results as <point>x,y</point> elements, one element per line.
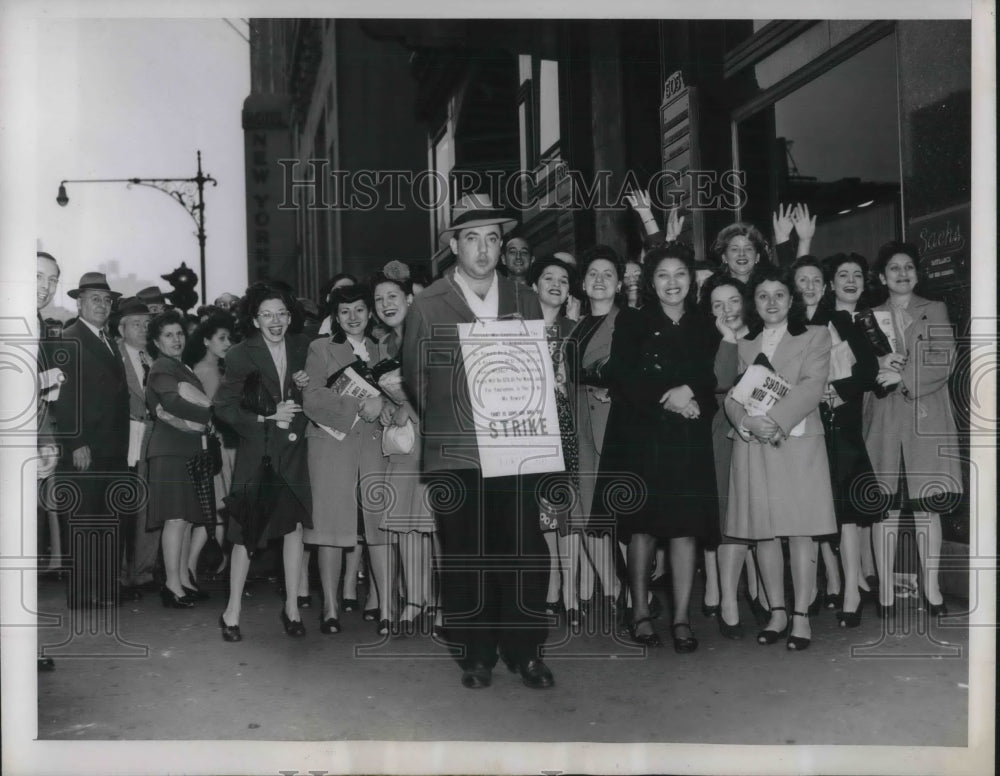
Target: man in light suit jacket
<point>140,548</point>
<point>92,418</point>
<point>494,557</point>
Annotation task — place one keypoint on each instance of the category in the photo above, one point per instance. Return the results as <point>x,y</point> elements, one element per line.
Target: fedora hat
<point>477,210</point>
<point>131,305</point>
<point>94,281</point>
<point>151,295</point>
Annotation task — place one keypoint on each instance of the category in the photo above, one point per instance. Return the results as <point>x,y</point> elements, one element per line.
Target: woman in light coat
<point>343,468</point>
<point>779,482</point>
<point>909,431</point>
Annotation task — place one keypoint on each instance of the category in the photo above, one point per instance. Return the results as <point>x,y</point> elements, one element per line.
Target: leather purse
<point>256,398</point>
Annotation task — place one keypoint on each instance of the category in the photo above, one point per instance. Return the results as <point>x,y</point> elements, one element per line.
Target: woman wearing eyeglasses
<point>270,314</point>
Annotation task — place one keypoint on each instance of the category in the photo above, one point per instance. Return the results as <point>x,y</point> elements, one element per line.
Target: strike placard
<point>512,392</point>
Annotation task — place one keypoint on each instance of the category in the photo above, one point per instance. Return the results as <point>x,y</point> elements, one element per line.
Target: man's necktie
<point>144,362</point>
<point>104,339</point>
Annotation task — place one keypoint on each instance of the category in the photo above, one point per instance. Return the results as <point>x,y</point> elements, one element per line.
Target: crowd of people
<point>648,355</point>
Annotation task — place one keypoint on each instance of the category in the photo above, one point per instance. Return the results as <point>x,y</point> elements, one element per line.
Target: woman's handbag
<point>399,440</point>
<point>200,468</point>
<point>256,398</point>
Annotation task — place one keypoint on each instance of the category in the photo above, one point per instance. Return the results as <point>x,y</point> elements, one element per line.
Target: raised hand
<point>675,223</point>
<point>805,228</point>
<point>639,201</point>
<point>782,223</point>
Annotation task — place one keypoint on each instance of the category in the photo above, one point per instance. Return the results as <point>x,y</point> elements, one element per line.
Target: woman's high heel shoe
<point>760,612</point>
<point>834,600</point>
<point>734,632</point>
<point>171,600</point>
<point>798,643</point>
<point>646,639</point>
<point>767,636</point>
<point>710,611</point>
<point>936,610</point>
<point>850,619</point>
<point>195,593</point>
<point>683,645</point>
<point>292,627</point>
<point>229,632</point>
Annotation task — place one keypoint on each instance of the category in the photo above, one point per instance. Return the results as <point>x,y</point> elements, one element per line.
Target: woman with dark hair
<point>176,437</point>
<point>602,284</point>
<point>339,280</point>
<point>408,519</point>
<point>551,279</point>
<point>345,455</point>
<point>779,482</point>
<point>277,357</point>
<point>723,299</point>
<point>660,430</point>
<point>807,274</point>
<point>853,370</point>
<point>906,429</point>
<point>203,352</point>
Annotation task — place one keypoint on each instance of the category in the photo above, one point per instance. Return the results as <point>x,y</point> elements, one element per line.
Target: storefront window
<point>832,144</point>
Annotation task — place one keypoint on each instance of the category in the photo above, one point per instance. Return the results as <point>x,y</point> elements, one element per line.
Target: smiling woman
<point>659,429</point>
<point>345,451</point>
<point>176,437</point>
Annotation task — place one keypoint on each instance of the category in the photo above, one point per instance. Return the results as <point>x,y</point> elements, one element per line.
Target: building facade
<point>330,108</point>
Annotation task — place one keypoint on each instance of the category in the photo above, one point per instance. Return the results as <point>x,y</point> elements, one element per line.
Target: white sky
<point>123,98</point>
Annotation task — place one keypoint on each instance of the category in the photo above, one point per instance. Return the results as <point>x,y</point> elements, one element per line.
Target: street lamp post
<point>188,192</point>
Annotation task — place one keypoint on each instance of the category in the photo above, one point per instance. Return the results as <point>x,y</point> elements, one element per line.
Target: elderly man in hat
<point>494,557</point>
<point>153,298</point>
<point>92,417</point>
<point>141,549</point>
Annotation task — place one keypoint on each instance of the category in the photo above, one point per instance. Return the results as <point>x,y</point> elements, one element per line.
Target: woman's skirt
<point>780,491</point>
<point>172,494</point>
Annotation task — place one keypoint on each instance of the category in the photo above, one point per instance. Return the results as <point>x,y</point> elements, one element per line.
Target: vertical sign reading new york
<point>512,396</point>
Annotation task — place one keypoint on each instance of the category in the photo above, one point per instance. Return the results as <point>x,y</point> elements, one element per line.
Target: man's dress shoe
<point>477,676</point>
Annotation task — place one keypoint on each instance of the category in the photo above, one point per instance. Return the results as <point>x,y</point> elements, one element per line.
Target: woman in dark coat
<point>602,284</point>
<point>176,437</point>
<point>660,430</point>
<point>552,280</point>
<point>808,276</point>
<point>279,357</point>
<point>841,411</point>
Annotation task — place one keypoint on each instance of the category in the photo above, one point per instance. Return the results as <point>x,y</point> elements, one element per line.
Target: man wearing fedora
<point>92,418</point>
<point>140,549</point>
<point>494,557</point>
<point>153,298</point>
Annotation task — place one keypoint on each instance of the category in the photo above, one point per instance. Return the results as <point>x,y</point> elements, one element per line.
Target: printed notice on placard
<point>512,394</point>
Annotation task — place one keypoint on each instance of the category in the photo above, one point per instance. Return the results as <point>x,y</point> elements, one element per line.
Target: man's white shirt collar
<point>484,308</point>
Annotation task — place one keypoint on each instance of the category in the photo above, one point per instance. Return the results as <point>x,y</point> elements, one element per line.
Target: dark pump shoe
<point>293,628</point>
<point>477,676</point>
<point>230,633</point>
<point>536,675</point>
